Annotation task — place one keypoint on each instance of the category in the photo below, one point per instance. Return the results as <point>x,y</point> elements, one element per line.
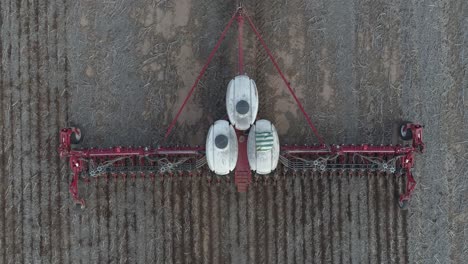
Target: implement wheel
<point>403,204</point>
<point>404,133</point>
<point>76,137</point>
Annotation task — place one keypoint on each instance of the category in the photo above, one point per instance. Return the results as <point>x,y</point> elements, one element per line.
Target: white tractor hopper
<point>221,147</point>
<point>263,147</point>
<point>242,102</point>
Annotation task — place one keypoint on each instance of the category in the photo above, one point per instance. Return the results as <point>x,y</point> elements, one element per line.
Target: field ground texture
<point>120,69</point>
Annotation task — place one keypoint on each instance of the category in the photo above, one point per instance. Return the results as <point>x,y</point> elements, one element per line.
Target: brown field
<point>120,69</point>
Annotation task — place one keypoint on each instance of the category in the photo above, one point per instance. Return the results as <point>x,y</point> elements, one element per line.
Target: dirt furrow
<point>335,220</point>
<point>271,221</point>
<point>130,215</point>
<point>250,227</point>
<point>344,215</point>
<point>382,224</point>
<point>8,227</point>
<point>262,221</point>
<point>112,220</point>
<point>390,203</point>
<point>298,205</point>
<point>93,210</point>
<point>195,219</point>
<point>242,228</point>
<point>122,225</point>
<point>3,136</point>
<point>234,225</point>
<point>363,219</point>
<point>105,217</point>
<point>56,110</point>
<point>159,225</point>
<point>149,220</point>
<point>141,229</point>
<point>317,205</point>
<point>280,230</point>
<point>17,159</point>
<point>26,137</point>
<point>62,99</point>
<point>213,203</point>
<point>309,211</point>
<point>353,218</point>
<point>177,229</point>
<point>205,221</point>
<point>186,217</point>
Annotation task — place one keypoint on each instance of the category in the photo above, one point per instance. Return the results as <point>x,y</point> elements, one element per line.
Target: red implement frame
<point>143,157</point>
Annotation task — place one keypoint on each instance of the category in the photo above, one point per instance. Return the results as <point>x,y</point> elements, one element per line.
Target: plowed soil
<point>120,70</point>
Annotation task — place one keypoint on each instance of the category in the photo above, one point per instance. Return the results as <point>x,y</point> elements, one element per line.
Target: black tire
<point>76,138</point>
<point>405,134</point>
<point>403,204</point>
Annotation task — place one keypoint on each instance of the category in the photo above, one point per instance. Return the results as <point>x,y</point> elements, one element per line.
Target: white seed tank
<point>221,147</point>
<point>242,102</point>
<point>263,147</point>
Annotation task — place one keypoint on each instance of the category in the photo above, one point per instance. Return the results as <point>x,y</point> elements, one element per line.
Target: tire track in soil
<point>3,152</point>
<point>195,218</point>
<point>187,224</point>
<point>262,220</point>
<point>26,146</point>
<point>176,211</point>
<point>280,230</point>
<point>327,239</point>
<point>215,223</point>
<point>271,223</point>
<point>371,219</point>
<point>251,223</point>
<point>309,211</point>
<point>168,221</point>
<point>64,121</point>
<point>205,222</point>
<point>27,151</point>
<point>113,220</point>
<point>242,227</point>
<point>340,250</point>
<point>377,212</point>
<point>106,215</point>
<point>48,241</point>
<point>334,226</point>
<point>297,219</point>
<point>382,220</point>
<point>15,130</point>
<point>149,218</point>
<point>93,223</point>
<point>159,220</point>
<point>404,223</point>
<point>353,217</point>
<point>397,217</point>
<point>56,116</point>
<point>140,218</point>
<point>233,206</point>
<point>316,218</point>
<point>390,202</point>
<point>121,221</point>
<point>42,55</point>
<point>363,218</point>
<point>130,215</point>
<point>222,211</point>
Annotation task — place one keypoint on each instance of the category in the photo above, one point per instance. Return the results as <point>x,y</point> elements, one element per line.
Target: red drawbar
<point>242,175</point>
